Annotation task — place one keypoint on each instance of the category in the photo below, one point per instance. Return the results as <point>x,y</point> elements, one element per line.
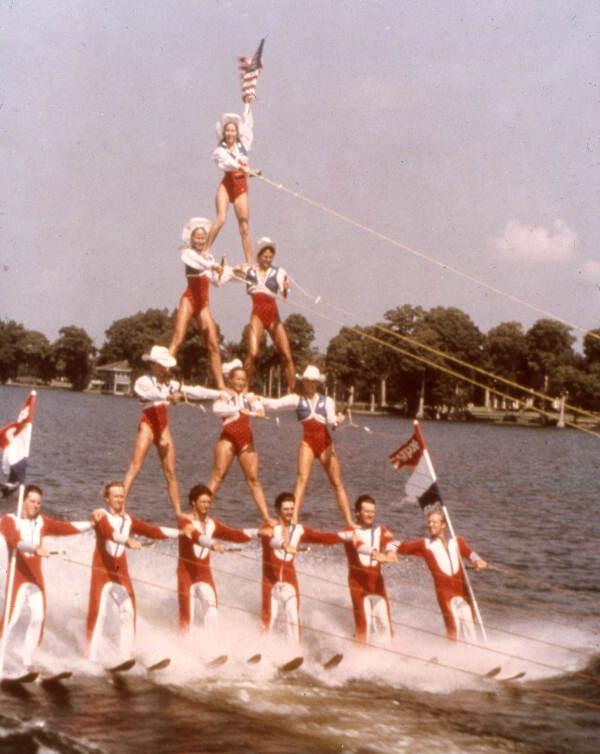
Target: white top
<point>319,407</point>
<point>229,409</point>
<point>150,391</point>
<point>204,264</point>
<point>229,159</point>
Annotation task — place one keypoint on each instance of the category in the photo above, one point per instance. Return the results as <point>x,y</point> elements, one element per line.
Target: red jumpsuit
<point>450,586</point>
<point>194,577</point>
<point>280,588</point>
<point>367,589</point>
<point>111,580</point>
<point>28,587</point>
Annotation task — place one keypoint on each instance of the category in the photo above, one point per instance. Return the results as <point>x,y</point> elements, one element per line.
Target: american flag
<point>250,69</point>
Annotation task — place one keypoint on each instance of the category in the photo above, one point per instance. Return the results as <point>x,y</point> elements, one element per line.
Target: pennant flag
<point>250,69</point>
<point>421,486</point>
<point>15,440</point>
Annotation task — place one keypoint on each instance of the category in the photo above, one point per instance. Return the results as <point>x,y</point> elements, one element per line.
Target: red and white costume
<point>315,415</point>
<point>236,426</point>
<point>25,535</point>
<point>154,395</point>
<point>194,576</point>
<point>451,590</point>
<point>264,286</point>
<point>111,582</point>
<point>280,590</point>
<point>232,160</point>
<point>200,273</point>
<point>367,589</point>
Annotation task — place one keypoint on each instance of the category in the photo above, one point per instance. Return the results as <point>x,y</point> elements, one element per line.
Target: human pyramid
<point>367,545</point>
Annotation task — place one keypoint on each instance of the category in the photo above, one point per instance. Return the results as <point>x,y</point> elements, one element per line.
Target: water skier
<point>111,583</point>
<point>194,576</point>
<point>315,411</point>
<point>236,438</point>
<point>235,134</point>
<point>264,283</point>
<point>25,535</point>
<point>367,546</point>
<point>201,270</point>
<point>156,391</point>
<point>442,556</point>
<point>280,590</point>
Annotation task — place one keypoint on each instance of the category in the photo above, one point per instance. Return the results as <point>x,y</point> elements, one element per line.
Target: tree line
<point>371,363</point>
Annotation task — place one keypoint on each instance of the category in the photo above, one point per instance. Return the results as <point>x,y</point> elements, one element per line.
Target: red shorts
<point>316,436</point>
<point>197,293</point>
<point>157,418</point>
<point>265,308</point>
<point>235,183</point>
<point>239,433</point>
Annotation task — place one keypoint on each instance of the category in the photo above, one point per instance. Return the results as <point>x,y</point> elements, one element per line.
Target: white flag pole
<point>460,560</point>
<point>12,565</point>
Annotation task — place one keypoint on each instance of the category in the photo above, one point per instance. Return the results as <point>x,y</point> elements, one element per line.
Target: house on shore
<point>114,378</point>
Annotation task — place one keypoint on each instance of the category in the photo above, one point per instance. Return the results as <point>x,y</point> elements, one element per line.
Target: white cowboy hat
<point>225,119</point>
<point>229,366</point>
<point>265,243</point>
<point>312,373</point>
<point>160,355</point>
<point>193,224</point>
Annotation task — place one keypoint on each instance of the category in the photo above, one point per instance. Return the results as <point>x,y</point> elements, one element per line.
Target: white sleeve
<point>347,536</point>
<point>289,401</point>
<point>192,259</point>
<point>82,525</point>
<point>246,129</point>
<point>146,389</point>
<point>226,276</point>
<point>474,557</point>
<point>200,393</point>
<point>170,532</point>
<point>224,159</point>
<point>330,411</point>
<point>224,409</point>
<point>252,533</point>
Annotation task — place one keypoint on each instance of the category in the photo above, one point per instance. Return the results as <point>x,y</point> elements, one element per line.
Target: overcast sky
<point>466,130</point>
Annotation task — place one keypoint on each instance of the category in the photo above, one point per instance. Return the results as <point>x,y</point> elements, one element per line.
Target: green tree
<point>591,347</point>
<point>11,335</point>
<point>130,337</point>
<point>73,352</point>
<point>550,346</point>
<point>35,356</point>
<point>505,351</point>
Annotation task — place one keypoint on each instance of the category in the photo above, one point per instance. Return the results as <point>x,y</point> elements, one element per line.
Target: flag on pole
<point>250,69</point>
<point>421,486</point>
<point>15,439</point>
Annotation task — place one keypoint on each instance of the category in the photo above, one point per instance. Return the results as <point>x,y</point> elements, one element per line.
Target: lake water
<point>525,499</point>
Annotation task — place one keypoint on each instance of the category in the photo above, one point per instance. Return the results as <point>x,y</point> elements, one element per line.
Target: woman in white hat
<point>236,438</point>
<point>156,391</point>
<point>264,283</point>
<point>315,411</point>
<point>235,136</point>
<point>201,270</point>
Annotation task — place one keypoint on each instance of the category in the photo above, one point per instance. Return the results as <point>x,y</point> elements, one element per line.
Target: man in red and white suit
<point>111,582</point>
<point>280,590</point>
<point>194,576</point>
<point>443,558</point>
<point>367,547</point>
<point>24,535</point>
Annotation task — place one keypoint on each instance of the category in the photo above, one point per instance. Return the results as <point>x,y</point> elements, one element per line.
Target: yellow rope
<point>422,255</point>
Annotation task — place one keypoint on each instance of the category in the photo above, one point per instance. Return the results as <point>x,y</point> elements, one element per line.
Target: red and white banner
<point>15,440</point>
<point>421,486</point>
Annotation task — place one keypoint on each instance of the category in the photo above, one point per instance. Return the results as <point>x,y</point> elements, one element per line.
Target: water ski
<point>160,665</point>
<point>291,665</point>
<point>515,677</point>
<point>333,661</point>
<point>55,678</point>
<point>493,672</point>
<point>121,667</point>
<point>254,660</point>
<point>8,683</point>
<point>217,662</point>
